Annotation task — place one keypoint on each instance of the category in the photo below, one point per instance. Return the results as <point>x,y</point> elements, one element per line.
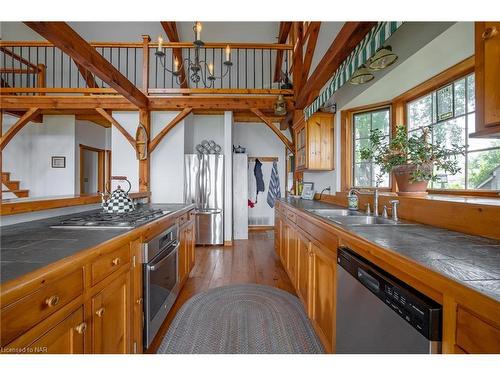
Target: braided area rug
<point>244,318</point>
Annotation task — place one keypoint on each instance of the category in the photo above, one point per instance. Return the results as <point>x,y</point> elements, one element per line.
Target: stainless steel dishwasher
<point>377,313</point>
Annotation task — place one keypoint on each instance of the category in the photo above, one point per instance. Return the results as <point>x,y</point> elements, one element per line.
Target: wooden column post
<point>40,78</point>
<point>145,63</point>
<point>144,175</point>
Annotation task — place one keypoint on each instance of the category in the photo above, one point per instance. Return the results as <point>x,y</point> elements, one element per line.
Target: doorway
<point>94,162</point>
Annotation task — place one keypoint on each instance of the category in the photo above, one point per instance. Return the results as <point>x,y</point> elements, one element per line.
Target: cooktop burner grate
<point>102,220</point>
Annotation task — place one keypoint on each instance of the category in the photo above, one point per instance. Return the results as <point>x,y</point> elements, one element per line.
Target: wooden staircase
<point>13,186</point>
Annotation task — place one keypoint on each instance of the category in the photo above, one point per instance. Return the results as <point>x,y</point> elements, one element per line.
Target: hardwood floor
<point>247,261</point>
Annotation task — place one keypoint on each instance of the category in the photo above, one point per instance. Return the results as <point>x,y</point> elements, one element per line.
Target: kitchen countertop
<point>473,261</point>
<point>28,246</point>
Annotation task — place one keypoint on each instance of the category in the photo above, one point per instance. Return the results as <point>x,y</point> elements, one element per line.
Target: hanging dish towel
<point>274,186</point>
<point>259,178</point>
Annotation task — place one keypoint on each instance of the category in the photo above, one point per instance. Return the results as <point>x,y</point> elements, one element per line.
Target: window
<point>449,111</point>
<point>365,171</point>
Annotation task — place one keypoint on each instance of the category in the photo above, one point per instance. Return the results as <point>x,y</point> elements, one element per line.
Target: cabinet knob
<point>52,301</point>
<point>115,261</point>
<point>81,328</point>
<point>489,33</point>
<point>139,301</point>
<point>100,312</point>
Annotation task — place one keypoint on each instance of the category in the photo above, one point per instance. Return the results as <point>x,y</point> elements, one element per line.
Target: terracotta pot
<point>402,174</point>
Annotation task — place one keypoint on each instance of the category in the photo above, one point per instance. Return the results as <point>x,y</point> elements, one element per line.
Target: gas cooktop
<point>102,220</point>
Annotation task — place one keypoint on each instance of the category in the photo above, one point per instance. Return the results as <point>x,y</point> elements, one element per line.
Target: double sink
<point>353,218</point>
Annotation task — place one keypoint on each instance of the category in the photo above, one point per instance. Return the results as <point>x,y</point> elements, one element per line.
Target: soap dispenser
<point>353,200</point>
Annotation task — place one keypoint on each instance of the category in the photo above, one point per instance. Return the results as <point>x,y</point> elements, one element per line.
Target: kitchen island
<point>79,290</point>
<point>459,271</point>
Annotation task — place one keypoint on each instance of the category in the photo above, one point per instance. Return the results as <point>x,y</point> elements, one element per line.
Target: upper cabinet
<point>314,143</point>
<point>487,57</point>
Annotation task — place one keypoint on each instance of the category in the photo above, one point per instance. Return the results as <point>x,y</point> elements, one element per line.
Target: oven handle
<point>156,265</point>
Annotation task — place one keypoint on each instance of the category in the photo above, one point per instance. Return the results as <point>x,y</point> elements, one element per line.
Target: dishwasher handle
<point>368,280</point>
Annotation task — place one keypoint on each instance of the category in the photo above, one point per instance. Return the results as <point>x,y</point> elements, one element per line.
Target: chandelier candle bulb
<point>197,29</point>
<point>160,44</point>
<point>176,65</point>
<point>211,69</point>
<point>228,53</point>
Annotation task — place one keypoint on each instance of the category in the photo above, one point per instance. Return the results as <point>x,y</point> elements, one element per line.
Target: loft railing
<point>37,68</point>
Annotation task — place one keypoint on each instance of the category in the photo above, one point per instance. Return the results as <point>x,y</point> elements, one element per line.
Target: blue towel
<point>274,191</point>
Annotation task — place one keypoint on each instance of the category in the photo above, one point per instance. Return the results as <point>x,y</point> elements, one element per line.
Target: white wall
<point>167,161</point>
<point>261,141</point>
<point>28,155</point>
<point>123,158</point>
<point>203,127</point>
<point>228,175</point>
<point>90,134</point>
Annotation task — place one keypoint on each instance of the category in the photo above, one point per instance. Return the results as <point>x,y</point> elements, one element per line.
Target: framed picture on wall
<point>308,191</point>
<point>58,161</point>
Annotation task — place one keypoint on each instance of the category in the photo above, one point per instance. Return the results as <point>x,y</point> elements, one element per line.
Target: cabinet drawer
<point>291,216</point>
<point>475,335</point>
<point>108,263</point>
<point>21,315</point>
<point>183,219</point>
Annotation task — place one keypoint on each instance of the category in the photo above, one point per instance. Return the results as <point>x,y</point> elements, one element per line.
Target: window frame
<point>353,145</point>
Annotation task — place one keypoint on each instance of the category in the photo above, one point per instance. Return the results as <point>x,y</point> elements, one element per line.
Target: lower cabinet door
<point>111,317</point>
<point>323,295</point>
<point>304,265</point>
<point>66,337</point>
<point>291,242</point>
<point>192,247</point>
<point>183,254</point>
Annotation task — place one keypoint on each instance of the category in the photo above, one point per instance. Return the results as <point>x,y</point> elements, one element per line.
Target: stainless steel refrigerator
<point>204,186</point>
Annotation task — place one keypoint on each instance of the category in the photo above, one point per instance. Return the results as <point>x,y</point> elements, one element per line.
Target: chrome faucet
<point>394,204</point>
<point>375,202</point>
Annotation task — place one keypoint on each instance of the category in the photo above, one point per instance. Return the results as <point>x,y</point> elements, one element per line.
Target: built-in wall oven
<point>160,272</point>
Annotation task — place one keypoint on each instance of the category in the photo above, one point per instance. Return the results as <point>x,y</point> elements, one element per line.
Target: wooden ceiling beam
<point>156,140</point>
<point>201,102</point>
<point>87,77</point>
<point>312,38</point>
<point>351,34</point>
<point>284,30</point>
<point>66,39</point>
<point>14,129</point>
<point>118,126</point>
<point>172,34</point>
<point>276,131</point>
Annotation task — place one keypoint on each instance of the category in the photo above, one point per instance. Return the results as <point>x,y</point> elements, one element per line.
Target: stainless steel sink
<point>333,212</point>
<point>365,220</point>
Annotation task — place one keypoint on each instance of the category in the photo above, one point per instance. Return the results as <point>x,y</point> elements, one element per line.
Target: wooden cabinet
<point>487,57</point>
<point>323,295</point>
<point>186,250</point>
<point>304,271</point>
<point>291,252</point>
<point>277,233</point>
<point>314,143</point>
<point>111,317</point>
<point>474,335</point>
<point>66,337</point>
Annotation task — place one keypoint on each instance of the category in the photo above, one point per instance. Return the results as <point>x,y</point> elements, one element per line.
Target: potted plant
<point>411,159</point>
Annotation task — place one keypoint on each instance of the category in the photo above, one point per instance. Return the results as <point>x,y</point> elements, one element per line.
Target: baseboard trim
<point>228,243</point>
<point>257,228</point>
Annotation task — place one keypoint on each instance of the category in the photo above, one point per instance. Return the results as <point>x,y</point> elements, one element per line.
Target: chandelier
<point>199,70</point>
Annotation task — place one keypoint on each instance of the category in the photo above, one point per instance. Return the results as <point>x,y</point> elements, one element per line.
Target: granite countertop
<point>471,260</point>
<point>28,246</point>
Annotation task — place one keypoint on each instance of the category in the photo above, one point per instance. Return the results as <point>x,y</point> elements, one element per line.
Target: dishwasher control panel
<point>424,314</point>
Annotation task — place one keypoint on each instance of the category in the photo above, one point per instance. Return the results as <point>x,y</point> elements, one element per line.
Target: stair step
<point>12,184</point>
<point>23,193</point>
<point>5,176</point>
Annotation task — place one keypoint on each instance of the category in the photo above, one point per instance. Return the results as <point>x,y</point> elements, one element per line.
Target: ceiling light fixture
<point>280,106</point>
<point>201,71</point>
<point>382,58</point>
<point>361,75</point>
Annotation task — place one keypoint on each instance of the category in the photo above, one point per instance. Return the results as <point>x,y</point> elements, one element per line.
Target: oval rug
<point>244,318</point>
